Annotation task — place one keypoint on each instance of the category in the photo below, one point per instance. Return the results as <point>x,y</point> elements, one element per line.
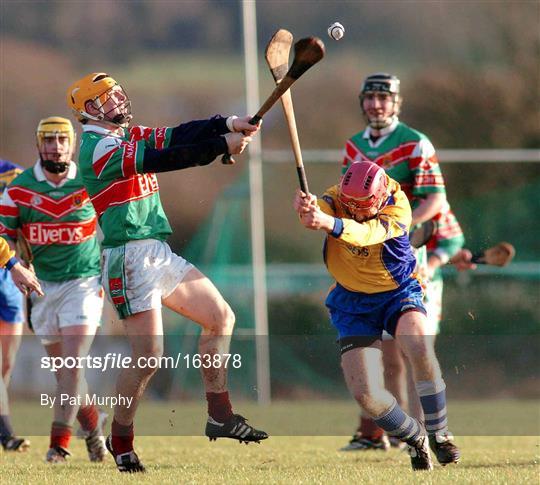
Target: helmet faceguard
<point>107,97</point>
<point>55,142</point>
<point>363,190</point>
<point>386,84</point>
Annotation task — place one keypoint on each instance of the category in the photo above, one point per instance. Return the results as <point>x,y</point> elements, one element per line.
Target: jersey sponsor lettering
<point>358,251</point>
<point>429,179</point>
<point>43,233</point>
<point>123,191</point>
<point>128,159</point>
<point>58,222</point>
<point>160,137</point>
<point>125,198</point>
<point>138,133</point>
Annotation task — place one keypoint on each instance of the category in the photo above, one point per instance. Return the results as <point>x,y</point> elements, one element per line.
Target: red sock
<point>369,429</point>
<point>60,435</point>
<point>219,406</point>
<point>122,437</point>
<point>88,417</point>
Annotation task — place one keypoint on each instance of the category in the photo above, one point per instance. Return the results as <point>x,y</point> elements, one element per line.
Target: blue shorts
<point>356,314</point>
<point>11,299</point>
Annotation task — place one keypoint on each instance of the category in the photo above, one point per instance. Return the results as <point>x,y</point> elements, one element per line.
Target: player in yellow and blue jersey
<point>11,326</point>
<point>409,157</point>
<point>24,279</point>
<point>367,252</point>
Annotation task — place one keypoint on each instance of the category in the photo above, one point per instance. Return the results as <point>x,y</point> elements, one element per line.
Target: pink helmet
<point>363,189</point>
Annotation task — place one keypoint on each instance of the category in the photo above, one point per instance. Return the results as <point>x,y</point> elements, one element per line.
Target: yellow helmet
<point>56,158</point>
<point>52,126</point>
<point>94,87</point>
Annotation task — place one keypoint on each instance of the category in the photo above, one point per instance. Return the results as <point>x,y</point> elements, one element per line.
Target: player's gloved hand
<point>236,142</point>
<point>243,125</point>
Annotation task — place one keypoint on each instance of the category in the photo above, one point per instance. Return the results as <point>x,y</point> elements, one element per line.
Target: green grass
<point>315,417</point>
<point>280,460</point>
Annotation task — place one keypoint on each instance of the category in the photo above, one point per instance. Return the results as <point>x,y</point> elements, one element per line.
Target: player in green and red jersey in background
<point>140,272</point>
<point>49,204</point>
<point>409,158</point>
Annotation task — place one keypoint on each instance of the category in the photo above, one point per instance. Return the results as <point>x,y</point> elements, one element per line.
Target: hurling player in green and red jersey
<point>119,163</point>
<point>49,205</point>
<point>408,157</point>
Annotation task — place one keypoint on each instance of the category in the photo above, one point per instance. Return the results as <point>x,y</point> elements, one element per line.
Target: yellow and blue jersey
<point>8,171</point>
<point>5,253</point>
<point>11,302</point>
<point>374,256</point>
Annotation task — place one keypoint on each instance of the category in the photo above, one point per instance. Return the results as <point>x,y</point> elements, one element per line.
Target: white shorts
<point>139,274</point>
<point>65,304</point>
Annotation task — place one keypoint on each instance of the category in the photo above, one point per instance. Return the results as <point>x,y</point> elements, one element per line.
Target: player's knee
<point>72,374</point>
<point>393,372</point>
<point>412,323</point>
<point>7,368</point>
<point>148,361</point>
<point>223,321</point>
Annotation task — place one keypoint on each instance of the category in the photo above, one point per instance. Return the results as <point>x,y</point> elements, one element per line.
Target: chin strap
<point>54,167</point>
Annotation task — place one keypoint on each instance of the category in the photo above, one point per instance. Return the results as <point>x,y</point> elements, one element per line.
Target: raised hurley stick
<point>277,58</point>
<point>307,52</point>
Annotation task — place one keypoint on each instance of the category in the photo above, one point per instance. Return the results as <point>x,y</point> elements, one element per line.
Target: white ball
<point>336,31</point>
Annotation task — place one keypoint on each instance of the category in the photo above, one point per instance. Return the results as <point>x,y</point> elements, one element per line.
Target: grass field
<point>281,459</point>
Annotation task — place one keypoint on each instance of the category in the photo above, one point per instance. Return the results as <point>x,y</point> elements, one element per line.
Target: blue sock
<point>399,424</point>
<point>433,399</point>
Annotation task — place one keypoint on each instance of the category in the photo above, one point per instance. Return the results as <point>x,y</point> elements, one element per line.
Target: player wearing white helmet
<point>11,319</point>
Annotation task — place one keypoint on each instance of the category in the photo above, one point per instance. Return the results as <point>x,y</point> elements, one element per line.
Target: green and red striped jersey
<point>409,157</point>
<point>58,221</point>
<point>406,155</point>
<point>126,199</point>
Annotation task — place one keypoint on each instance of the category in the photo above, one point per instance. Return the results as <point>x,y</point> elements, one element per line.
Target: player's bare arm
<point>428,208</point>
